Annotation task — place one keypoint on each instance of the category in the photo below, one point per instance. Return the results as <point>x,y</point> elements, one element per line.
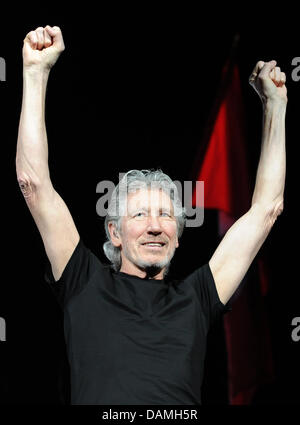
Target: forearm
<point>32,145</point>
<point>270,178</point>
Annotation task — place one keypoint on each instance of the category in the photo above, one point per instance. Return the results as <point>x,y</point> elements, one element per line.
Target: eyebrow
<point>140,209</point>
<point>162,209</point>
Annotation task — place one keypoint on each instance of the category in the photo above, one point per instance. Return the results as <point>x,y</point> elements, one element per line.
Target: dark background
<point>136,94</point>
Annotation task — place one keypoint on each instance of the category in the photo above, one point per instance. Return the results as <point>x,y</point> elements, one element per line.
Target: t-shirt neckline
<point>131,276</point>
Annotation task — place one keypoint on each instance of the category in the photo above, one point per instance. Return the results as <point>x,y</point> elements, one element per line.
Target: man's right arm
<point>41,50</point>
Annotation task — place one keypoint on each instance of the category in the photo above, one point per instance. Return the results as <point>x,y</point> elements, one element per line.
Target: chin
<point>155,263</point>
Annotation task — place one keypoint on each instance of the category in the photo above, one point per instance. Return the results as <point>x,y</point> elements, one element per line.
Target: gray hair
<point>132,181</point>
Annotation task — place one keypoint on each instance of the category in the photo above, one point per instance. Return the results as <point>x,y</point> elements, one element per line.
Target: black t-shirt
<point>131,340</point>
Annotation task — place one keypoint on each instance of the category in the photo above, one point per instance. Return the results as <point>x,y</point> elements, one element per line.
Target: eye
<point>140,214</point>
<point>165,214</point>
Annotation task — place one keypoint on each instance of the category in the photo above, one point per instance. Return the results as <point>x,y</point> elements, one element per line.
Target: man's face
<point>148,232</point>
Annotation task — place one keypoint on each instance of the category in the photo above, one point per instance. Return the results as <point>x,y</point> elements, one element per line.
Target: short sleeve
<point>203,283</point>
<point>75,276</point>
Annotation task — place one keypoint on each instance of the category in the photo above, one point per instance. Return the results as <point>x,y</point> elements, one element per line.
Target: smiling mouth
<point>156,245</point>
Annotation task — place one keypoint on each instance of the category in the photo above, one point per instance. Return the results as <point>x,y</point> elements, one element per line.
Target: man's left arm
<point>245,237</point>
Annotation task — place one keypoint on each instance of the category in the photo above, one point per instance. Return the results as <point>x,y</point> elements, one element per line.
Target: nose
<point>154,226</point>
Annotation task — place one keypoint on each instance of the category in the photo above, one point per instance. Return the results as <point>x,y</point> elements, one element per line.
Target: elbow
<point>32,186</point>
<point>30,179</point>
<point>29,182</point>
<point>275,211</point>
<point>268,213</point>
<point>27,186</point>
<point>278,208</point>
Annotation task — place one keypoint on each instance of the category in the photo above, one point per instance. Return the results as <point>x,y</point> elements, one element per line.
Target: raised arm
<point>243,240</point>
<point>41,50</point>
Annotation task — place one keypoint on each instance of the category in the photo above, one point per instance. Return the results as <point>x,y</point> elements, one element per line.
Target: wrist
<point>278,105</point>
<point>36,72</point>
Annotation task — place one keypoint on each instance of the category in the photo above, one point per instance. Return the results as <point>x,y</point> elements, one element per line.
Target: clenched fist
<point>42,47</point>
<point>269,82</point>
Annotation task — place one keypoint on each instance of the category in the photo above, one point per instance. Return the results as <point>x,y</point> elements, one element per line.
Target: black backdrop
<point>123,95</point>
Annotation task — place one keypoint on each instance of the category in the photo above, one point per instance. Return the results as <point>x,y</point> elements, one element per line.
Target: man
<point>133,336</point>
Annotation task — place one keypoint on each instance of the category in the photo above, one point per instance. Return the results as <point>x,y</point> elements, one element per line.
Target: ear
<point>177,243</point>
<point>114,234</point>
